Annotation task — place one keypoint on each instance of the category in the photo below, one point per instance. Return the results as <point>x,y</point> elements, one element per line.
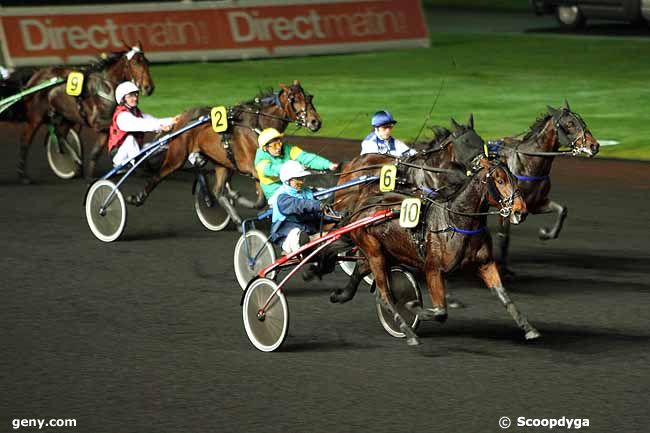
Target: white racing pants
<point>127,151</point>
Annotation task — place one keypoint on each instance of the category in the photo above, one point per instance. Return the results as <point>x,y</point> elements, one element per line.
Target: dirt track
<point>145,334</point>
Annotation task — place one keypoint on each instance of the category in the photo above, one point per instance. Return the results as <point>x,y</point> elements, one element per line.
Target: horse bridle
<point>505,203</point>
<point>564,136</point>
<point>300,115</point>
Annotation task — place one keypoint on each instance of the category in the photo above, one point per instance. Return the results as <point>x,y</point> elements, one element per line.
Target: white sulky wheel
<point>404,288</point>
<point>214,217</point>
<point>107,226</point>
<point>268,331</point>
<point>348,268</point>
<point>65,158</point>
<point>260,254</point>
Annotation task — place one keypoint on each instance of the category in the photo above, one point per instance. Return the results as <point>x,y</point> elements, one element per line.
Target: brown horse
<point>436,167</point>
<point>93,108</point>
<point>234,150</point>
<point>450,235</point>
<point>530,160</point>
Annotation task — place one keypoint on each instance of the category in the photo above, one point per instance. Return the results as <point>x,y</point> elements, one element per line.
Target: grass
<point>499,5</point>
<point>505,80</point>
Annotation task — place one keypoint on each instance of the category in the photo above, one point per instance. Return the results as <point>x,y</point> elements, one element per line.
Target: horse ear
<point>455,124</point>
<point>139,44</point>
<point>551,109</point>
<point>566,105</point>
<point>470,122</point>
<point>125,43</point>
<point>296,83</point>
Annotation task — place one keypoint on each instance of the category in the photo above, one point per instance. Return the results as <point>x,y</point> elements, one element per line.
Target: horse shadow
<point>556,338</point>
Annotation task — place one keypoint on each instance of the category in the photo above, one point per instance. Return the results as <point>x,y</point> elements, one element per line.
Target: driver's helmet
<point>267,136</point>
<point>124,89</point>
<point>291,170</point>
<point>381,118</point>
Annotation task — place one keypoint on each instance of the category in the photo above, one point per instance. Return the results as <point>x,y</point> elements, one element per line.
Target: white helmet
<point>124,89</point>
<point>291,170</point>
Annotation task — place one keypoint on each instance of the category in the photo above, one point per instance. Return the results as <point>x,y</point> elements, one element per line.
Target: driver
<point>380,140</point>
<point>126,134</point>
<point>273,153</point>
<point>296,213</point>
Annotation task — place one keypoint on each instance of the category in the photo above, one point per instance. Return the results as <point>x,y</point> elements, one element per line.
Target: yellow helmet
<point>267,136</point>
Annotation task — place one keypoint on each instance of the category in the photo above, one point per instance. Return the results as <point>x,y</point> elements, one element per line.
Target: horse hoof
<point>440,317</point>
<point>545,234</point>
<point>454,303</point>
<point>533,334</point>
<point>413,306</point>
<point>135,200</point>
<point>413,341</point>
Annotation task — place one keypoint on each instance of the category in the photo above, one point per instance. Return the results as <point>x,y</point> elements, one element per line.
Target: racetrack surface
<point>145,334</point>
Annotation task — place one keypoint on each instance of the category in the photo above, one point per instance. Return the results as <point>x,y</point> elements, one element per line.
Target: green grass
<point>505,80</point>
<point>500,5</point>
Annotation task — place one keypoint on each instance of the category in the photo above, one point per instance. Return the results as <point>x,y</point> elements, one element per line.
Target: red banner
<point>205,31</point>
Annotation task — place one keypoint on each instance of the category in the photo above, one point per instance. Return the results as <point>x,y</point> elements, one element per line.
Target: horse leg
<point>239,199</point>
<point>490,275</point>
<point>503,241</point>
<point>95,152</point>
<point>346,294</point>
<point>378,267</point>
<point>25,143</point>
<point>544,232</point>
<point>170,165</point>
<point>221,176</point>
<point>437,291</point>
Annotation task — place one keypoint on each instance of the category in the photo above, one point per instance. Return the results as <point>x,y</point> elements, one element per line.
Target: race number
<point>387,178</point>
<point>409,214</point>
<point>75,83</point>
<point>219,119</point>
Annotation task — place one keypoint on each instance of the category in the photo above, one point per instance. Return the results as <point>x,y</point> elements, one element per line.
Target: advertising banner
<point>209,30</point>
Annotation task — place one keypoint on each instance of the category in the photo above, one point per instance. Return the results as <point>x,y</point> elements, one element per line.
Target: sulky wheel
<point>64,157</point>
<point>253,252</point>
<point>106,223</point>
<point>404,288</point>
<point>266,330</point>
<point>211,214</point>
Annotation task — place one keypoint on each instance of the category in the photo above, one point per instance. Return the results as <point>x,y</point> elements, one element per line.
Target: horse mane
<point>261,94</point>
<point>440,135</point>
<point>537,125</point>
<point>105,61</point>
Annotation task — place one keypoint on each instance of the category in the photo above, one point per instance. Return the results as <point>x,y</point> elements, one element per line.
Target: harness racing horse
<point>435,167</point>
<point>450,235</point>
<point>530,160</point>
<point>93,108</point>
<point>234,150</point>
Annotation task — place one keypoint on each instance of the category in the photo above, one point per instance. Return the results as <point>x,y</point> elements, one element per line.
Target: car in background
<point>573,14</point>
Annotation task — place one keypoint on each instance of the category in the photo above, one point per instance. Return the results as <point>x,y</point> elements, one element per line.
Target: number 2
<point>219,119</point>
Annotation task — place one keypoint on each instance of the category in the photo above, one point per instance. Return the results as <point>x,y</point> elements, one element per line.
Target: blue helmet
<point>382,117</point>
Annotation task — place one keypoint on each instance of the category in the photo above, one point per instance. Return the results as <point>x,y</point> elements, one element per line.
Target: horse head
<point>460,144</point>
<point>501,188</point>
<point>134,66</point>
<point>572,131</point>
<point>298,106</point>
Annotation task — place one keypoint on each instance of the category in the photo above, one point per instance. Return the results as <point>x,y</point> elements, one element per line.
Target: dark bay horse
<point>435,167</point>
<point>450,235</point>
<point>530,160</point>
<point>93,108</point>
<point>234,150</point>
